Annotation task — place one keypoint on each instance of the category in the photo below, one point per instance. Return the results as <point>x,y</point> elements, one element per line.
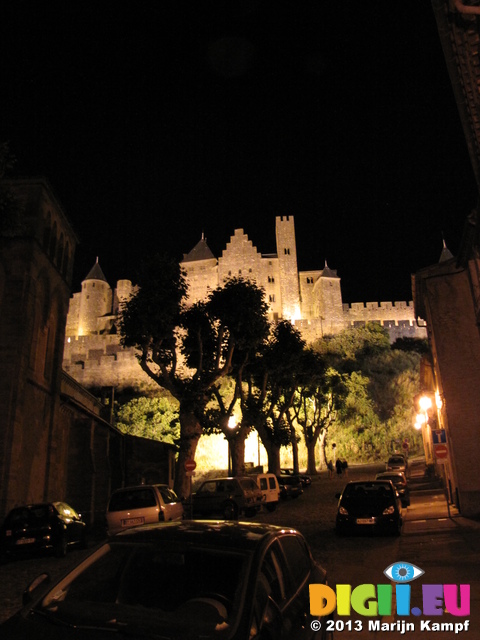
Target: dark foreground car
<point>369,507</point>
<point>50,526</point>
<point>180,581</point>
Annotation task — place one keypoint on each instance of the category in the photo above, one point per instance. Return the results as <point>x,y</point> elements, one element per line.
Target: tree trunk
<point>237,449</point>
<point>190,432</point>
<point>311,463</point>
<point>294,449</point>
<point>323,441</point>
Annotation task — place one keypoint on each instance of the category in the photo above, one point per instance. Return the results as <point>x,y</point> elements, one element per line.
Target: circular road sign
<point>190,465</point>
<point>441,451</point>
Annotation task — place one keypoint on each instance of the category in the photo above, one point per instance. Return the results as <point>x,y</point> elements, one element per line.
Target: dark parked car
<point>290,486</point>
<point>227,496</point>
<point>304,479</point>
<point>371,506</point>
<point>37,527</point>
<point>397,462</point>
<point>400,483</point>
<point>185,580</point>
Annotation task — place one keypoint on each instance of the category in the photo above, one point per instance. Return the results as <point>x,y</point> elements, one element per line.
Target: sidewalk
<point>429,509</point>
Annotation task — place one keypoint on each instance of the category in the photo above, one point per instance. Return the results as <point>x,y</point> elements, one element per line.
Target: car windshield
<point>144,587</point>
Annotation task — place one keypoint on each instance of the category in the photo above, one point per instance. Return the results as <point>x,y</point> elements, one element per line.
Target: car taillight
<point>342,511</point>
<point>388,511</point>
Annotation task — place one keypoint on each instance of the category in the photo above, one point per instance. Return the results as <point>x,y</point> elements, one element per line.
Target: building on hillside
<point>311,300</point>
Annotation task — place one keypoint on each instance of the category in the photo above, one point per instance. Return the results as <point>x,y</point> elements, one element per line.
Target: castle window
<point>249,271</point>
<point>287,252</point>
<point>271,279</point>
<point>271,298</point>
<point>309,280</point>
<point>229,273</point>
<point>239,272</point>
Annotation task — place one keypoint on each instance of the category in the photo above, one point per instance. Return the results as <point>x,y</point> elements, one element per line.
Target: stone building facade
<point>311,300</point>
<point>57,441</point>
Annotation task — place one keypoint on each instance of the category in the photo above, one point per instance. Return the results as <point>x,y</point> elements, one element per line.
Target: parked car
<point>304,479</point>
<point>227,496</point>
<point>143,504</point>
<point>397,462</point>
<point>268,485</point>
<point>290,486</point>
<point>185,580</point>
<point>52,526</point>
<point>400,483</point>
<point>371,506</point>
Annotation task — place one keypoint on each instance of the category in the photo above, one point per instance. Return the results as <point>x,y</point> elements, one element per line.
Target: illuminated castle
<point>311,300</point>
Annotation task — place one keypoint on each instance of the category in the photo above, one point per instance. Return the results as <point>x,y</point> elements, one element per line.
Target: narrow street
<point>437,540</point>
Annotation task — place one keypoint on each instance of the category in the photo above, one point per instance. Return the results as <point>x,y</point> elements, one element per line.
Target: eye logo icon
<point>403,572</point>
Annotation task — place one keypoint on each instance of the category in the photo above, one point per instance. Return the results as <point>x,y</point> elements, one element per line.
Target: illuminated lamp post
<point>232,423</point>
<point>425,403</point>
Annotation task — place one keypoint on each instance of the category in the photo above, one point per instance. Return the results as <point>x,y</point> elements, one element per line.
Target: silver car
<point>144,504</point>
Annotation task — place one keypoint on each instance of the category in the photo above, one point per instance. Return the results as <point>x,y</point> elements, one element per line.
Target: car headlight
<point>388,511</point>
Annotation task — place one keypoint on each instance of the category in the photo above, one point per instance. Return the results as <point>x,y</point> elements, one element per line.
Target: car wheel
<point>271,506</point>
<point>61,547</point>
<point>251,512</point>
<point>230,511</point>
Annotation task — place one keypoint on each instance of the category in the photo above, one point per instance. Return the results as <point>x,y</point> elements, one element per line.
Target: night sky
<point>157,121</point>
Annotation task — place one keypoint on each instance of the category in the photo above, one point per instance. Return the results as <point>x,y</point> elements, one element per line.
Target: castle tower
<point>287,259</point>
<point>328,305</point>
<point>95,300</point>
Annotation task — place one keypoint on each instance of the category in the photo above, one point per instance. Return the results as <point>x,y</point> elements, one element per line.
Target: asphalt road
<point>434,538</point>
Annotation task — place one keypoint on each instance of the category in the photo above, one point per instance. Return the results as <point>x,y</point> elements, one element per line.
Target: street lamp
<point>425,403</point>
<point>232,423</point>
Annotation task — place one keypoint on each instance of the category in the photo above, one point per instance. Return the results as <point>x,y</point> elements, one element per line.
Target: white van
<point>268,484</point>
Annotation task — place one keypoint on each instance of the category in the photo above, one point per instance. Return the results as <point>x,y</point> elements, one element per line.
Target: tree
<point>153,418</point>
<point>186,350</point>
<point>380,383</point>
<point>268,392</point>
<point>320,394</point>
<point>237,316</point>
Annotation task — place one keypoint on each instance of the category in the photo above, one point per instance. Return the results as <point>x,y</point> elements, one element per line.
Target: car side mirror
<point>42,580</point>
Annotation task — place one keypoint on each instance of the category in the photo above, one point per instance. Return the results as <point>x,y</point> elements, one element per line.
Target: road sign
<point>190,465</point>
<point>439,436</point>
<point>441,451</point>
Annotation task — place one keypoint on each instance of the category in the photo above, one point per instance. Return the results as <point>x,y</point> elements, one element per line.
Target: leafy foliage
<point>153,418</point>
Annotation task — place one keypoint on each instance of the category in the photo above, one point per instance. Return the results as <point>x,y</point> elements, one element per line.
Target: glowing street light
<point>232,423</point>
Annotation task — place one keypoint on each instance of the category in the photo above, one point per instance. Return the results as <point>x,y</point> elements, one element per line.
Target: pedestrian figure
<point>338,464</point>
<point>330,469</point>
<point>345,468</point>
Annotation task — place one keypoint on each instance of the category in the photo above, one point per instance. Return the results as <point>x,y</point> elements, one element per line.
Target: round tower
<point>95,300</point>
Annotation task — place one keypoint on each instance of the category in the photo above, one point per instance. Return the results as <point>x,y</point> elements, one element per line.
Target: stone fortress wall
<point>311,300</point>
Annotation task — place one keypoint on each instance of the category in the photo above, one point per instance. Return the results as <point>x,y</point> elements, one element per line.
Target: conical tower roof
<point>96,273</point>
<point>328,273</point>
<point>446,253</point>
<point>200,251</point>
